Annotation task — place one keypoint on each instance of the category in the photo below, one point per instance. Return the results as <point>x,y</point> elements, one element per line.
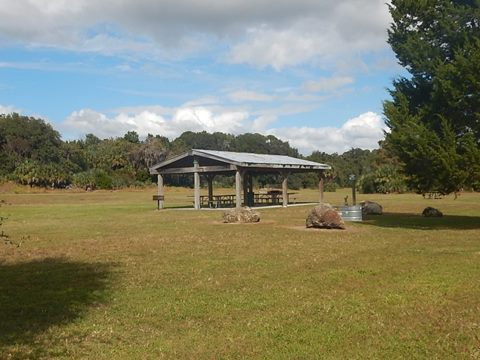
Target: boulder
<point>242,215</point>
<point>431,212</point>
<point>371,208</point>
<point>324,216</point>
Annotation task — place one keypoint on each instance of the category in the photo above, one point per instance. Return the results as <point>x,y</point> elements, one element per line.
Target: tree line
<point>33,153</point>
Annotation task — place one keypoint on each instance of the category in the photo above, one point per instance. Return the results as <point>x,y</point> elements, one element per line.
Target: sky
<point>311,72</point>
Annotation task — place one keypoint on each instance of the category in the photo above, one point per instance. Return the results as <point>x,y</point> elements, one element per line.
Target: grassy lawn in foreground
<point>104,275</point>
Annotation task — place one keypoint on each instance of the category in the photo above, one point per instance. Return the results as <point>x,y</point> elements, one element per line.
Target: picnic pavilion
<point>243,166</point>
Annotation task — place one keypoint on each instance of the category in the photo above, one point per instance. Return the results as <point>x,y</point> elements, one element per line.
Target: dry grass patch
<point>106,276</point>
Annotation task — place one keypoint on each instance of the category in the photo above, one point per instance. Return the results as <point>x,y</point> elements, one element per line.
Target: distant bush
<point>330,186</point>
<point>33,173</point>
<point>140,184</point>
<point>142,176</point>
<point>93,179</point>
<point>103,180</point>
<point>366,184</point>
<point>118,182</point>
<point>385,179</point>
<point>295,182</point>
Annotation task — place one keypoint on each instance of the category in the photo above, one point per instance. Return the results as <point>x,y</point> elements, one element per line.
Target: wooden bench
<point>433,195</point>
<point>158,198</point>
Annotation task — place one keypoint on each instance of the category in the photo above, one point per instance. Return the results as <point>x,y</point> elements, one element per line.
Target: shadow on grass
<point>416,221</point>
<point>37,295</point>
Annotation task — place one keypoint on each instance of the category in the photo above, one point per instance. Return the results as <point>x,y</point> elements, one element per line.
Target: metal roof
<point>247,160</point>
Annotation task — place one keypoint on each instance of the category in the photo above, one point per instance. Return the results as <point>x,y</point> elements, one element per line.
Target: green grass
<point>103,275</point>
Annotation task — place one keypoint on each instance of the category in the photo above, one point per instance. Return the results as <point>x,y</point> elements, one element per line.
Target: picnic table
<point>272,197</point>
<point>217,201</point>
<point>229,200</point>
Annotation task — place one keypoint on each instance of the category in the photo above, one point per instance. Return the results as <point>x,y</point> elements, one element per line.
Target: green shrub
<point>93,179</point>
<point>33,173</point>
<point>330,186</point>
<point>385,179</point>
<point>103,180</point>
<point>85,179</point>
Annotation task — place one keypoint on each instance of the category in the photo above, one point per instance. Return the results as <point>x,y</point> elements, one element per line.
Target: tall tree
<point>434,114</point>
<point>23,138</point>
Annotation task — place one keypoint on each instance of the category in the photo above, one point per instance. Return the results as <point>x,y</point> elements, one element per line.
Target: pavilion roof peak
<point>234,160</point>
<point>246,159</point>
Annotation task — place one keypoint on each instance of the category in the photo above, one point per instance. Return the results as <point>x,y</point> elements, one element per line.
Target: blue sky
<point>312,72</point>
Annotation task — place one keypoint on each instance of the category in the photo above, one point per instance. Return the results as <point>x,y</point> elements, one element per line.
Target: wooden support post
<point>160,192</point>
<point>251,200</point>
<point>321,186</point>
<point>285,189</point>
<point>196,184</point>
<point>354,193</point>
<point>238,189</point>
<point>210,189</point>
<point>245,188</point>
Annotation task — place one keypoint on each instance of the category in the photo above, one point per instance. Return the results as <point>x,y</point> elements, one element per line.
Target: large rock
<point>431,212</point>
<point>371,208</point>
<point>242,215</point>
<point>324,216</point>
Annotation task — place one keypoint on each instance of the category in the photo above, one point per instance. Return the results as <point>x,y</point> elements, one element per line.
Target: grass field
<point>103,275</point>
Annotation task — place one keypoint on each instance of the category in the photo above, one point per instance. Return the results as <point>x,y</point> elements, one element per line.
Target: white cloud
<point>340,31</point>
<point>135,110</point>
<point>260,33</point>
<point>363,132</point>
<point>203,101</point>
<point>328,84</point>
<point>90,121</point>
<point>261,122</point>
<point>146,122</point>
<point>8,109</point>
<point>199,119</point>
<point>271,47</point>
<point>246,95</point>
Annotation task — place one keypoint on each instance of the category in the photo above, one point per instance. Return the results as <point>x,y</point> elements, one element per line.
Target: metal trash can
<point>351,213</point>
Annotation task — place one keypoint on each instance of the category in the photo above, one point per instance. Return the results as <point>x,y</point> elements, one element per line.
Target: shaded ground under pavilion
<point>244,166</point>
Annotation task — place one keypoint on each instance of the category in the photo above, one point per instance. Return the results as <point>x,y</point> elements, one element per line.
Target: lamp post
<point>353,179</point>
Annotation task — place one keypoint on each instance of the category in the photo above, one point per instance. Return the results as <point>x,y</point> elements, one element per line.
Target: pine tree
<point>434,114</point>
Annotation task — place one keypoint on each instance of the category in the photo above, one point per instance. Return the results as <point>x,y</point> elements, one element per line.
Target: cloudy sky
<point>313,72</point>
